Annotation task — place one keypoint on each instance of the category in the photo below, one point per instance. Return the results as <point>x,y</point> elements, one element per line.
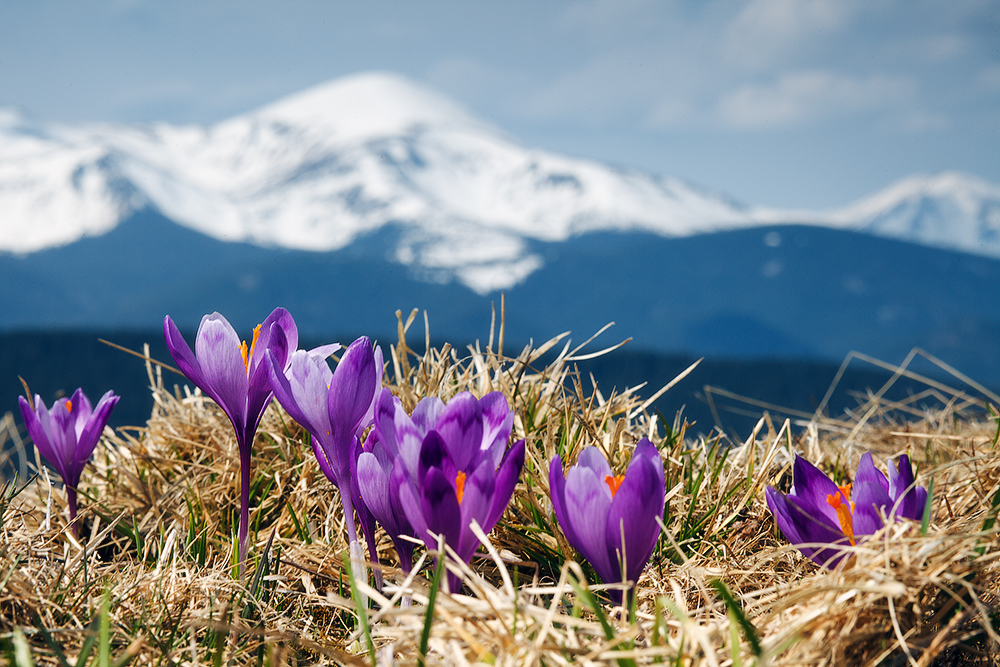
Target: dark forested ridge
<point>54,363</point>
<point>788,292</point>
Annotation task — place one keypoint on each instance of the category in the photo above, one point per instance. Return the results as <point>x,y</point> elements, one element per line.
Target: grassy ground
<point>153,582</point>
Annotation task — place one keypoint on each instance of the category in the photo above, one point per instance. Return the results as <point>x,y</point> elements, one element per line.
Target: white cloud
<point>603,90</point>
<point>924,121</point>
<point>614,19</point>
<point>766,32</point>
<point>801,97</point>
<point>672,111</point>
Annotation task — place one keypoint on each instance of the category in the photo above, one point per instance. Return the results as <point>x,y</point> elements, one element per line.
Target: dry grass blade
<point>159,501</point>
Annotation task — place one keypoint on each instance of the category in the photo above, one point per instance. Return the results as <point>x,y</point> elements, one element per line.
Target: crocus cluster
<point>611,519</point>
<point>233,374</point>
<point>67,434</point>
<point>432,474</point>
<point>824,520</point>
<point>335,407</point>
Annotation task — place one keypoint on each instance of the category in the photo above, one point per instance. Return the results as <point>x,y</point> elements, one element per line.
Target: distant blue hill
<point>56,363</point>
<point>786,292</point>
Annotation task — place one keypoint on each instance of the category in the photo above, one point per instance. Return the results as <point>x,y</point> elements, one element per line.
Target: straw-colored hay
<point>158,506</point>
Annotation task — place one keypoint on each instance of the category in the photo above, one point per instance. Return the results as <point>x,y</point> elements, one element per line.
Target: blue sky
<point>807,103</point>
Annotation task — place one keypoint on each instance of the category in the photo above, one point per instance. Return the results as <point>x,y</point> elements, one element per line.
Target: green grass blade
<point>734,640</point>
<point>588,599</point>
<point>22,652</point>
<point>926,521</point>
<point>300,528</point>
<point>425,634</point>
<point>88,643</point>
<point>360,607</point>
<point>749,631</point>
<point>50,640</point>
<point>104,641</point>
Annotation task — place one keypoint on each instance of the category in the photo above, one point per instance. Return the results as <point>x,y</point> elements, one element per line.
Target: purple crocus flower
<point>449,466</point>
<point>611,519</point>
<point>335,407</point>
<point>390,460</point>
<point>67,435</point>
<point>822,519</point>
<point>234,376</point>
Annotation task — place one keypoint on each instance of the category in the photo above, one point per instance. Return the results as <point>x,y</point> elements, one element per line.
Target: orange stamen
<point>69,406</point>
<point>844,513</point>
<point>460,485</point>
<point>614,483</point>
<point>248,355</point>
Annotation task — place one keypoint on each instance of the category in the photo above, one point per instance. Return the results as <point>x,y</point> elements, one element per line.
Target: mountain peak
<point>367,104</point>
<point>320,169</point>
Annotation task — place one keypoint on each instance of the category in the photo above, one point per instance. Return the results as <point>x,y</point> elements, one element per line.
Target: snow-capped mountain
<point>320,169</point>
<point>948,210</point>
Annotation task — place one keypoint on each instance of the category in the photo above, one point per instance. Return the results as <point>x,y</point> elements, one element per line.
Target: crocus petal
<point>903,491</point>
<point>592,458</point>
<point>409,500</point>
<point>365,516</point>
<point>557,490</point>
<point>440,508</point>
<point>91,432</point>
<point>477,502</point>
<point>351,389</point>
<point>867,473</point>
<point>498,421</point>
<point>461,429</point>
<point>810,489</point>
<point>788,526</point>
<point>302,389</point>
<point>634,510</point>
<point>870,502</point>
<point>377,369</point>
<point>373,483</point>
<point>324,351</point>
<point>426,414</point>
<point>82,409</point>
<point>816,532</point>
<point>64,437</point>
<point>278,334</point>
<point>217,348</point>
<point>325,464</point>
<point>384,415</point>
<point>184,357</point>
<point>404,548</point>
<point>259,392</point>
<point>588,501</point>
<point>506,480</point>
<point>38,425</point>
<point>434,455</point>
<point>919,504</point>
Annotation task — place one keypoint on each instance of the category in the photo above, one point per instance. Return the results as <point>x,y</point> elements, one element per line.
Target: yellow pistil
<point>247,356</point>
<point>844,513</point>
<point>614,483</point>
<point>460,485</point>
<point>69,406</point>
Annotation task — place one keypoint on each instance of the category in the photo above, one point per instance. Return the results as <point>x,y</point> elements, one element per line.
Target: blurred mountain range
<point>367,194</point>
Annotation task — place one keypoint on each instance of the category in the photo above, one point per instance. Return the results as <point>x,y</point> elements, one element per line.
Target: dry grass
<point>158,509</point>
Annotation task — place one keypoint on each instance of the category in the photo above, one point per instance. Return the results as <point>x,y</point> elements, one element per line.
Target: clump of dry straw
<point>152,579</point>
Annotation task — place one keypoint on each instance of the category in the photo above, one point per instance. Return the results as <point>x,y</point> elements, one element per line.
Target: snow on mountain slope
<point>321,168</point>
<point>948,210</point>
<point>55,189</point>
